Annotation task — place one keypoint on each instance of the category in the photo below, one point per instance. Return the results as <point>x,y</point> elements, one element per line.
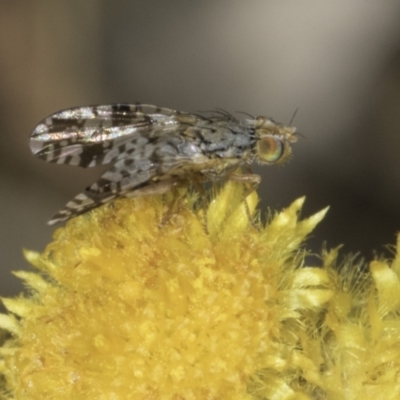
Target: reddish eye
<point>269,149</point>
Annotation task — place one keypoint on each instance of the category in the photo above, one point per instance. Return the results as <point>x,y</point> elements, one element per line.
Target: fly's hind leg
<point>252,181</point>
<point>173,204</point>
<point>196,183</point>
<point>159,187</point>
<point>171,207</point>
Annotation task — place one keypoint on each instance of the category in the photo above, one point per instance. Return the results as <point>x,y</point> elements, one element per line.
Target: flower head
<point>137,300</point>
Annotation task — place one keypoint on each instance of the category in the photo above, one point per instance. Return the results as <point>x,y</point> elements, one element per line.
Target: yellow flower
<point>137,300</point>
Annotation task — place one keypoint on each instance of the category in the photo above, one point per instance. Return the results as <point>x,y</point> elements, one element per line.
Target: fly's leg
<point>173,186</point>
<point>177,198</point>
<point>171,207</point>
<point>253,181</point>
<point>159,188</point>
<point>203,196</point>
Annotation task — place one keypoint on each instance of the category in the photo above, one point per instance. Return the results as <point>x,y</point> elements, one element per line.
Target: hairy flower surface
<point>137,300</point>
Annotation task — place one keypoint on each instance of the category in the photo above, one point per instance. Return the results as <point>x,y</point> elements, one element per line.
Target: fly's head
<point>272,141</point>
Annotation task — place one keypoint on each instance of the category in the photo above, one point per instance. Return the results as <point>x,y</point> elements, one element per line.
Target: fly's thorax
<point>222,139</point>
<point>271,140</point>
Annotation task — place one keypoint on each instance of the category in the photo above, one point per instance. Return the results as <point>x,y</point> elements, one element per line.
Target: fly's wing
<point>151,169</point>
<point>116,182</point>
<point>94,135</point>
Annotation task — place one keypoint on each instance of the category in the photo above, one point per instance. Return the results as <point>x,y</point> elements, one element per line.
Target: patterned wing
<point>94,135</point>
<point>152,168</point>
<point>116,182</point>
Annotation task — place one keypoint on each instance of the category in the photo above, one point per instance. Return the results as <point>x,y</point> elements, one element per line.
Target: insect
<point>153,149</point>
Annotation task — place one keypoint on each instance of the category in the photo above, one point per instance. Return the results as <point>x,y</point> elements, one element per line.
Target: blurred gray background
<point>337,60</point>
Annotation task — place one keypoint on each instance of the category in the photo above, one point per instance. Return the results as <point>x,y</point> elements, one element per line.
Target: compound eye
<point>269,149</point>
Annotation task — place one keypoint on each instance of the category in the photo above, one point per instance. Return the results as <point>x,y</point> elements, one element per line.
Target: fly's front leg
<point>253,180</point>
